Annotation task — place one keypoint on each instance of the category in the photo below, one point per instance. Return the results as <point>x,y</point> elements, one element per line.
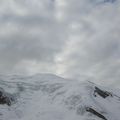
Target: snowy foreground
<point>48,97</point>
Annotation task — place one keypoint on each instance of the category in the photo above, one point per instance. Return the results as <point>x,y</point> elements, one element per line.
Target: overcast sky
<point>72,38</point>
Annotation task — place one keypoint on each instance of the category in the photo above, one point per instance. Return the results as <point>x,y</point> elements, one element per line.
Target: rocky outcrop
<point>6,98</point>
<point>94,112</point>
<point>102,93</point>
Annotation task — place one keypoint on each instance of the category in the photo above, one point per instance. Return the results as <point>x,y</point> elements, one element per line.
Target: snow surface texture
<point>49,97</point>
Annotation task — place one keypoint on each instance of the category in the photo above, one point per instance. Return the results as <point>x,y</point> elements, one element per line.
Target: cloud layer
<point>76,39</point>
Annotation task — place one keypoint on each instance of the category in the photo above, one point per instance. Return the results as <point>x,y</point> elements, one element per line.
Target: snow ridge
<point>49,97</point>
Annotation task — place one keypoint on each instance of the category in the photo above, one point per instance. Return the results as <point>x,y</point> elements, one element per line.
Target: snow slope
<point>49,97</point>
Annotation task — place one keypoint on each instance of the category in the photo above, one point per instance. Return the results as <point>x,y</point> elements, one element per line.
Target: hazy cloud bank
<point>76,39</point>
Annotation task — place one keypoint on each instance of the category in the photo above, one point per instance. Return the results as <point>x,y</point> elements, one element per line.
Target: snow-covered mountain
<point>49,97</point>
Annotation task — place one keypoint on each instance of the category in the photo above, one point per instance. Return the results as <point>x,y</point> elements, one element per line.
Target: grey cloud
<point>17,48</point>
<point>29,20</point>
<point>76,39</point>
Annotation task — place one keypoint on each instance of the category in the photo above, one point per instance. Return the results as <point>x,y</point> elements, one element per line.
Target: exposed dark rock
<point>6,98</point>
<point>91,110</point>
<point>102,93</point>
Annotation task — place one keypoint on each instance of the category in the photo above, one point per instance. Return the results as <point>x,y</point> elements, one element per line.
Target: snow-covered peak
<point>49,97</point>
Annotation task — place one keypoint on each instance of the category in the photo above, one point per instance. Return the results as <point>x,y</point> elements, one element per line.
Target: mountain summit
<point>49,97</point>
